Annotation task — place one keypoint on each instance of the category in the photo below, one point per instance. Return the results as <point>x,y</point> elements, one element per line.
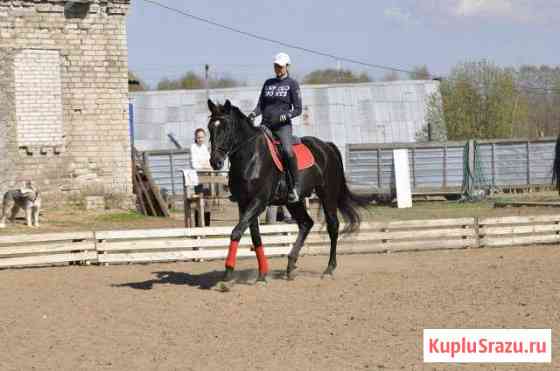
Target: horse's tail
<point>348,201</point>
<point>556,165</point>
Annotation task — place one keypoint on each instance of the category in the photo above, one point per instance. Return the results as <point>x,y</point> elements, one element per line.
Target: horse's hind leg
<point>305,223</point>
<point>331,217</point>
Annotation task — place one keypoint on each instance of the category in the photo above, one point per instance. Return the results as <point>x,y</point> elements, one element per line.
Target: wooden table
<point>212,177</point>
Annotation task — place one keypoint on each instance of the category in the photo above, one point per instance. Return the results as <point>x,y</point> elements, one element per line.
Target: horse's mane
<point>241,117</point>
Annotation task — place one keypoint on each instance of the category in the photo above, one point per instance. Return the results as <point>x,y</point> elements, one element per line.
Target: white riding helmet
<point>282,59</point>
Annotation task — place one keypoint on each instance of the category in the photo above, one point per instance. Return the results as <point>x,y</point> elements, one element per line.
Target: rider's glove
<point>252,116</point>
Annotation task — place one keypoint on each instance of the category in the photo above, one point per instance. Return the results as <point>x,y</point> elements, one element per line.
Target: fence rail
<point>47,249</point>
<point>176,244</point>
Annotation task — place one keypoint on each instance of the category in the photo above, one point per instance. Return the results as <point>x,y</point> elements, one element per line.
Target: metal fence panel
<point>541,160</point>
<point>432,167</point>
<point>166,166</point>
<point>454,166</point>
<point>441,166</point>
<point>510,162</point>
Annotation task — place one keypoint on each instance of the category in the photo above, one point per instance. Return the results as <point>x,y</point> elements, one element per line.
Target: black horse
<point>255,183</point>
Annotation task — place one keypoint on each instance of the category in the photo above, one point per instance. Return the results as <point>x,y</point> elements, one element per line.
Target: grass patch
<point>127,216</point>
<point>431,210</point>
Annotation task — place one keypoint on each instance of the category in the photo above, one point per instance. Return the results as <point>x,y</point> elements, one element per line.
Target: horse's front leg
<point>259,249</point>
<point>246,216</point>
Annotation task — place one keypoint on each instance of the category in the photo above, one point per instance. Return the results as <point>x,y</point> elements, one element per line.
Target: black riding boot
<point>293,185</point>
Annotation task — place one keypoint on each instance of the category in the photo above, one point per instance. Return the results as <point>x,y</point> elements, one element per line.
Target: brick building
<point>64,95</point>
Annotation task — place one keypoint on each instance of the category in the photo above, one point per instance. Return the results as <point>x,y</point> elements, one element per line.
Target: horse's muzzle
<point>217,162</point>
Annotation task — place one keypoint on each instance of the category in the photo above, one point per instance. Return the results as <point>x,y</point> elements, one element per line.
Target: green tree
<point>391,76</point>
<point>480,100</point>
<point>420,73</point>
<point>135,83</point>
<point>224,82</point>
<point>540,87</point>
<point>191,80</point>
<point>334,76</point>
<point>435,129</point>
<point>168,84</point>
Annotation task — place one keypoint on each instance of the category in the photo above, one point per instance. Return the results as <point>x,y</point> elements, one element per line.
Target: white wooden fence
<point>47,249</point>
<point>132,246</point>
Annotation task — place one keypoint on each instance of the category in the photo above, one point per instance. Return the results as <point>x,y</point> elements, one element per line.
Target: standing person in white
<point>200,160</point>
<point>200,157</point>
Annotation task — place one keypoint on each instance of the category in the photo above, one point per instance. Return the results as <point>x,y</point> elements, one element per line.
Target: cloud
<point>400,16</point>
<point>499,8</point>
<point>518,11</point>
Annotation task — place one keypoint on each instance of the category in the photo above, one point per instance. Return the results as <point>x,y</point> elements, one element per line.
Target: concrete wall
<point>64,95</point>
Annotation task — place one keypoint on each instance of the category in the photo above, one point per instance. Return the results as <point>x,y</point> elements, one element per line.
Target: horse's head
<point>221,128</point>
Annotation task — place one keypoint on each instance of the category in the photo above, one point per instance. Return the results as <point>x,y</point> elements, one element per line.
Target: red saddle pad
<point>304,156</point>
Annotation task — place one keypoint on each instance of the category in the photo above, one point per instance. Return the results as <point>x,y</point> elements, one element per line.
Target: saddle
<point>303,155</point>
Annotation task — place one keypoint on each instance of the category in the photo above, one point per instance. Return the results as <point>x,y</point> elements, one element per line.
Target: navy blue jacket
<point>278,97</point>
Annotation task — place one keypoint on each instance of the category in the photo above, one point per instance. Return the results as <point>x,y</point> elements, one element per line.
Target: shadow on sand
<point>208,280</point>
<point>203,281</point>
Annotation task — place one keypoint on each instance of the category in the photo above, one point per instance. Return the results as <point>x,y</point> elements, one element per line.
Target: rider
<point>279,103</point>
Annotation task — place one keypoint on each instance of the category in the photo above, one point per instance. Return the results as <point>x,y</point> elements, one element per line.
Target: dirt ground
<point>371,316</point>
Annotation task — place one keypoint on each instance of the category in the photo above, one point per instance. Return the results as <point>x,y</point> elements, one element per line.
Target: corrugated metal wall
<point>439,166</point>
<point>355,113</point>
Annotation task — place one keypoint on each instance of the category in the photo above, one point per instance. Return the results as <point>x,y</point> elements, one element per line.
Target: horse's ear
<point>227,106</point>
<point>211,106</point>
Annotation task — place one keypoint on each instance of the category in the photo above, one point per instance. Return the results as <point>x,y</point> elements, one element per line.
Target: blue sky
<point>395,33</point>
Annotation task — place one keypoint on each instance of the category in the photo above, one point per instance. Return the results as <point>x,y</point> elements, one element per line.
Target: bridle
<point>235,148</point>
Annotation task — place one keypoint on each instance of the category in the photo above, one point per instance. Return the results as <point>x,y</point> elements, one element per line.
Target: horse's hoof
<point>290,269</point>
<point>261,280</point>
<point>290,276</point>
<point>228,275</point>
<point>224,286</point>
<point>328,273</point>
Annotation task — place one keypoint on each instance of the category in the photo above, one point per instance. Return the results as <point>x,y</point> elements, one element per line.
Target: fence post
<point>444,166</point>
<point>493,161</point>
<point>528,149</point>
<point>477,232</point>
<point>471,159</point>
<point>413,166</point>
<point>172,170</point>
<point>378,168</point>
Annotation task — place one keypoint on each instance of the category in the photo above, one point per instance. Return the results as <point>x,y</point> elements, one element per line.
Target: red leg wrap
<point>261,258</point>
<point>232,254</point>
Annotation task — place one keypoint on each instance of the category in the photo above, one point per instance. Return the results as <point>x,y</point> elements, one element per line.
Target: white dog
<point>27,199</point>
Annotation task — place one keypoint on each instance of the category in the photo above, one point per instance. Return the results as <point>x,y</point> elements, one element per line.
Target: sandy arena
<point>371,316</point>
